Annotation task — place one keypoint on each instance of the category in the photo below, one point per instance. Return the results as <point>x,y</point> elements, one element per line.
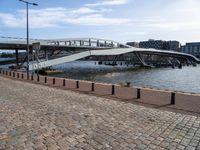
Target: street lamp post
<point>27,28</point>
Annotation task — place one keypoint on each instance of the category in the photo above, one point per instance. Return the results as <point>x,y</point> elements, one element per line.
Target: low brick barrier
<point>177,100</point>
<point>85,86</point>
<point>49,80</point>
<point>42,79</point>
<point>31,77</point>
<point>102,89</point>
<point>58,82</point>
<point>125,92</point>
<point>71,84</point>
<point>156,97</point>
<point>186,101</point>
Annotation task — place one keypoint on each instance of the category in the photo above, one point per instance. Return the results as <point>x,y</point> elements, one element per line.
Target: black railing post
<point>173,98</point>
<point>45,79</point>
<point>64,82</point>
<point>138,93</point>
<point>77,84</point>
<point>113,89</point>
<point>92,86</point>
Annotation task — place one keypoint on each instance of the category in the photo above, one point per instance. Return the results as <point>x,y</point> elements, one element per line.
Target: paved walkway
<point>39,117</point>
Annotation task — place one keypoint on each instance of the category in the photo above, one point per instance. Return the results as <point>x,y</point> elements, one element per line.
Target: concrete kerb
<point>171,99</point>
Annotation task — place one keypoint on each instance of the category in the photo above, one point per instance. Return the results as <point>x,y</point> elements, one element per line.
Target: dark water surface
<point>186,79</point>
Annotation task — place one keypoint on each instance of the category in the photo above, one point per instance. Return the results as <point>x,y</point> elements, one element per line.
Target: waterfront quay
<point>34,116</point>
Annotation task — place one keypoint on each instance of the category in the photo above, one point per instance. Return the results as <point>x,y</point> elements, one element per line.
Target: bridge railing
<point>78,42</point>
<point>87,42</point>
<point>14,40</point>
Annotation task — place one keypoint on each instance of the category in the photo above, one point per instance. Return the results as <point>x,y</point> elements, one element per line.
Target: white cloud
<point>108,3</point>
<point>97,20</point>
<point>59,16</point>
<point>84,10</point>
<point>10,20</point>
<point>179,15</point>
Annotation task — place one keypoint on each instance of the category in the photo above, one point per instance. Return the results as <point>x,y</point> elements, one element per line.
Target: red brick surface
<point>103,89</point>
<point>71,84</point>
<point>35,77</point>
<point>42,79</point>
<point>49,80</point>
<point>187,102</point>
<point>156,97</point>
<point>59,82</point>
<point>125,92</point>
<point>85,86</point>
<point>25,76</point>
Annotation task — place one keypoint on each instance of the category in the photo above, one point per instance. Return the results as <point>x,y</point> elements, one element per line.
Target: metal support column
<point>17,58</point>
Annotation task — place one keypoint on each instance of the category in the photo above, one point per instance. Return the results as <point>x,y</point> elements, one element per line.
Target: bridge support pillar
<point>17,57</point>
<point>46,56</point>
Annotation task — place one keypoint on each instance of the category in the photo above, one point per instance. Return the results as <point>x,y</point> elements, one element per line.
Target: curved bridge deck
<point>89,47</point>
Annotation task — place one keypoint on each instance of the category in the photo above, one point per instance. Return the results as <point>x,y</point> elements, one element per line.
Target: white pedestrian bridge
<point>85,47</point>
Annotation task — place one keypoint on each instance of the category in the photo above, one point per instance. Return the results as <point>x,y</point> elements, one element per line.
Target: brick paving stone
<point>40,117</point>
<point>190,148</point>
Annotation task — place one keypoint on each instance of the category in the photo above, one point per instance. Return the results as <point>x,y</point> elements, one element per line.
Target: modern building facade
<point>174,45</point>
<point>160,44</point>
<point>156,44</point>
<point>192,48</point>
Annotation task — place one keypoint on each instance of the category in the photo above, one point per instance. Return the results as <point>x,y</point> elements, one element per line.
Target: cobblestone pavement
<point>39,117</point>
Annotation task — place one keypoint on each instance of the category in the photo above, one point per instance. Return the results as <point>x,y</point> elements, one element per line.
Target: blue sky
<point>119,20</point>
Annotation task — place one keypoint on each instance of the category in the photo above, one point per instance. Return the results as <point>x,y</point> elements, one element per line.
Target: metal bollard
<point>54,80</point>
<point>32,77</point>
<point>113,89</point>
<point>22,76</point>
<point>18,75</point>
<point>38,78</point>
<point>77,84</point>
<point>64,82</point>
<point>173,98</point>
<point>92,87</point>
<point>45,79</point>
<point>138,93</point>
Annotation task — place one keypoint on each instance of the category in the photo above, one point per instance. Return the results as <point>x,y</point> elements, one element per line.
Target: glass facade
<point>191,48</point>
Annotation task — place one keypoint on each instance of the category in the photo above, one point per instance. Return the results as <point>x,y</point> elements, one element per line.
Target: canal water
<point>186,79</point>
